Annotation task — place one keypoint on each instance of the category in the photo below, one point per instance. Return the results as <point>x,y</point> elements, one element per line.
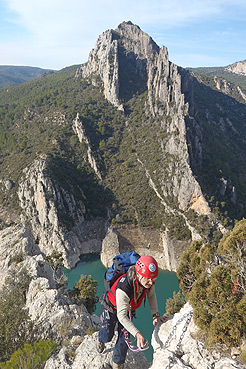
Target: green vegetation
<point>36,118</point>
<point>16,328</point>
<point>216,289</point>
<point>46,108</point>
<point>173,305</point>
<point>31,356</point>
<point>178,228</point>
<point>85,291</point>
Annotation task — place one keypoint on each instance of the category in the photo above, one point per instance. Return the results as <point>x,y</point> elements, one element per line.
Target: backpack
<point>121,264</point>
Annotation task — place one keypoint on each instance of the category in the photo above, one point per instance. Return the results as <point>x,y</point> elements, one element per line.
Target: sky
<point>55,34</point>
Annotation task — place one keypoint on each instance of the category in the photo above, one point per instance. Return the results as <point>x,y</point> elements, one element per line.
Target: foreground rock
<point>175,346</point>
<point>55,314</point>
<point>70,325</point>
<point>17,245</point>
<point>87,357</point>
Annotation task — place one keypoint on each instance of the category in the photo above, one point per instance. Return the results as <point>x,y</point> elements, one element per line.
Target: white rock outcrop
<point>54,313</point>
<point>176,348</point>
<point>87,357</point>
<point>110,247</point>
<point>79,130</point>
<point>16,244</point>
<point>58,316</point>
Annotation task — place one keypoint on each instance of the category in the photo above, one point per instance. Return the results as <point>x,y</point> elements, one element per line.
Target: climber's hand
<point>141,342</point>
<point>159,319</point>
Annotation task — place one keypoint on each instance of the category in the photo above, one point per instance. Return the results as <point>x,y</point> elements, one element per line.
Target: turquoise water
<point>166,284</point>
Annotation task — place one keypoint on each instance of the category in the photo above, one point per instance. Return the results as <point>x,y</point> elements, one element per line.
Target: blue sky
<point>58,33</point>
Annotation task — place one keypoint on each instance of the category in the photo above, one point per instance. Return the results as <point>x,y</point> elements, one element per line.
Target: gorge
<point>129,152</point>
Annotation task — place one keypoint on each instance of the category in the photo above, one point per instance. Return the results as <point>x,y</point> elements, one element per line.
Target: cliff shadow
<point>132,74</point>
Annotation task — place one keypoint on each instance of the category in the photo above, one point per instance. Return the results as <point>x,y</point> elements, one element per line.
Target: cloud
<point>57,19</point>
<point>65,30</point>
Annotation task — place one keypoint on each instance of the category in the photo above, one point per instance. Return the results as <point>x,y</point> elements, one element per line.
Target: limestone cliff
<point>145,242</point>
<point>127,61</point>
<point>43,201</point>
<point>79,130</point>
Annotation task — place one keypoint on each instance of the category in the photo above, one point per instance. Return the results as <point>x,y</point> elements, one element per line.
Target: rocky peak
<point>120,59</point>
<point>136,41</point>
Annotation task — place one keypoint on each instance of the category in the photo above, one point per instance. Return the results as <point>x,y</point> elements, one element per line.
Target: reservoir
<point>166,284</point>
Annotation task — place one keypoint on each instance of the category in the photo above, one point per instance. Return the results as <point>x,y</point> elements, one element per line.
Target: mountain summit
<point>123,58</point>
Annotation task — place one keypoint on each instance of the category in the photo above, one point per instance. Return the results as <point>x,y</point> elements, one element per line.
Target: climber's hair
<point>132,275</point>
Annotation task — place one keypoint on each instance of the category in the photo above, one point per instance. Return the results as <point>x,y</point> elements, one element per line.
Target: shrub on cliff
<point>214,282</point>
<point>173,305</point>
<point>85,291</point>
<point>31,356</point>
<point>16,328</point>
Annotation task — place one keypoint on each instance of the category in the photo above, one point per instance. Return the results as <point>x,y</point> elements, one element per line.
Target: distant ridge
<point>233,76</point>
<point>15,75</point>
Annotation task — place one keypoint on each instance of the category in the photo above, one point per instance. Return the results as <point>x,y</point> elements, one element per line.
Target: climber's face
<point>146,282</point>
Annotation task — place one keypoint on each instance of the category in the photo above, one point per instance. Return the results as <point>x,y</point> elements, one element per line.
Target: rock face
<point>229,88</point>
<point>54,313</point>
<point>175,346</point>
<point>79,130</point>
<point>152,242</point>
<point>16,243</point>
<point>238,68</point>
<point>58,316</point>
<point>41,199</point>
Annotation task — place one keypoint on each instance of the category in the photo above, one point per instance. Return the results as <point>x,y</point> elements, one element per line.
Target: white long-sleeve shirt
<point>123,307</point>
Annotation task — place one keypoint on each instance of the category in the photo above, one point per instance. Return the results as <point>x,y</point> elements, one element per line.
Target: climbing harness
<point>187,317</point>
<point>129,343</point>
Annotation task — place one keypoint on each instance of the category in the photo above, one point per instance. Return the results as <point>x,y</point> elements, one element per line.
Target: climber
<point>125,296</point>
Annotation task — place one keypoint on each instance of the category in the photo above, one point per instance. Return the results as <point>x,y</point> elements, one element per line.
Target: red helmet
<point>147,267</point>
